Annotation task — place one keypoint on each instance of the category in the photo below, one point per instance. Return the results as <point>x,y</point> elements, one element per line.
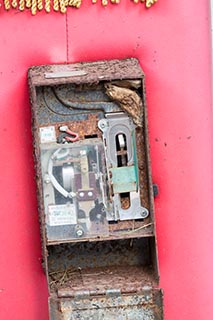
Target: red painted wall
<point>172,41</point>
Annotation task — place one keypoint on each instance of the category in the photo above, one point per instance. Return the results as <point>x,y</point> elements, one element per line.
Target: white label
<point>47,134</point>
<point>61,215</point>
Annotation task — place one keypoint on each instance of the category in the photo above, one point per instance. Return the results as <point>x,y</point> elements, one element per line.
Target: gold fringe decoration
<point>59,5</point>
<point>28,4</point>
<point>21,5</point>
<point>149,3</point>
<point>47,6</point>
<point>104,2</point>
<point>7,4</point>
<point>115,1</point>
<point>75,3</point>
<point>62,6</point>
<point>40,5</point>
<point>55,5</point>
<point>34,7</point>
<point>14,4</point>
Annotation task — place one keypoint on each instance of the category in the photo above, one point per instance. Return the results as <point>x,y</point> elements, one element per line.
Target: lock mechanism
<point>122,167</point>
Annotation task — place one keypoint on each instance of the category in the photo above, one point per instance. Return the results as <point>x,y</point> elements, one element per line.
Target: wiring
<point>67,105</point>
<point>84,105</point>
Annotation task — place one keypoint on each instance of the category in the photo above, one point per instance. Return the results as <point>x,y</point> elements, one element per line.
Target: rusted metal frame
<point>154,248</point>
<point>146,144</point>
<point>120,69</point>
<point>127,76</point>
<point>149,299</point>
<point>35,128</point>
<point>145,130</point>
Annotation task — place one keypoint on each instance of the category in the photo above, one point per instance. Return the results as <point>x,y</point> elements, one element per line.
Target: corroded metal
<point>146,305</point>
<point>115,275</point>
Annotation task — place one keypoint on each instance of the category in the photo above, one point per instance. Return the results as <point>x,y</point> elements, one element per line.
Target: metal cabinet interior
<point>95,192</point>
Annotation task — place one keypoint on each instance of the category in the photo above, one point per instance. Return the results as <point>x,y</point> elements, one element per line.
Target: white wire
<point>53,180</point>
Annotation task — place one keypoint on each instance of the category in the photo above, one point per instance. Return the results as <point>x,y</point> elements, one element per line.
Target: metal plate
<point>142,306</point>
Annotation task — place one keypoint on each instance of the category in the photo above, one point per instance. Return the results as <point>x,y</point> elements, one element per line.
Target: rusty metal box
<point>95,192</point>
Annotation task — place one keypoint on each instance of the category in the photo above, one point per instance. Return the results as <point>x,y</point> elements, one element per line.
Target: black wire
<point>49,108</point>
<point>58,113</point>
<point>69,105</point>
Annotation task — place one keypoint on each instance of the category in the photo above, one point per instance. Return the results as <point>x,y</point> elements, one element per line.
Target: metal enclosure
<point>95,192</point>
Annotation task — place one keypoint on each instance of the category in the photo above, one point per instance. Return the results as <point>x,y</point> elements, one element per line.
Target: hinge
<point>113,292</point>
<point>86,294</point>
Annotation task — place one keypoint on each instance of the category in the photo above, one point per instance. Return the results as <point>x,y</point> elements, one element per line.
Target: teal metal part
<point>124,179</point>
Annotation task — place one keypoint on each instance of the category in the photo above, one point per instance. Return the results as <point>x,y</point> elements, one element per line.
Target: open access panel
<point>95,191</point>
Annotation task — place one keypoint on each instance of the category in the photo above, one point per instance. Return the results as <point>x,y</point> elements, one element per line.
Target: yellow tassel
<point>21,5</point>
<point>149,3</point>
<point>47,6</point>
<point>34,7</point>
<point>63,8</point>
<point>14,4</point>
<point>7,4</point>
<point>40,5</point>
<point>61,5</point>
<point>76,3</point>
<point>28,4</point>
<point>55,5</point>
<point>104,2</point>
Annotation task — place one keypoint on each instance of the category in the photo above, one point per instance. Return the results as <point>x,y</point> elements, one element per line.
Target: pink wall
<point>172,41</point>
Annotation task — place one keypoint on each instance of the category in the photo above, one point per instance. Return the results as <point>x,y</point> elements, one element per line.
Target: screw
<point>47,179</point>
<point>81,194</point>
<point>147,298</point>
<point>79,232</point>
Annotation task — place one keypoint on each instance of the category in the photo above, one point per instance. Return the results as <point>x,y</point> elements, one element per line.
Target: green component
<point>124,179</point>
<point>135,160</point>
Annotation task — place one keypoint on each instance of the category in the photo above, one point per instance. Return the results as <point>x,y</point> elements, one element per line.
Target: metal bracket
<point>120,150</point>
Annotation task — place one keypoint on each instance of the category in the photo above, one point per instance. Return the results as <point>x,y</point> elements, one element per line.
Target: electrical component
<point>74,189</point>
<point>122,170</point>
